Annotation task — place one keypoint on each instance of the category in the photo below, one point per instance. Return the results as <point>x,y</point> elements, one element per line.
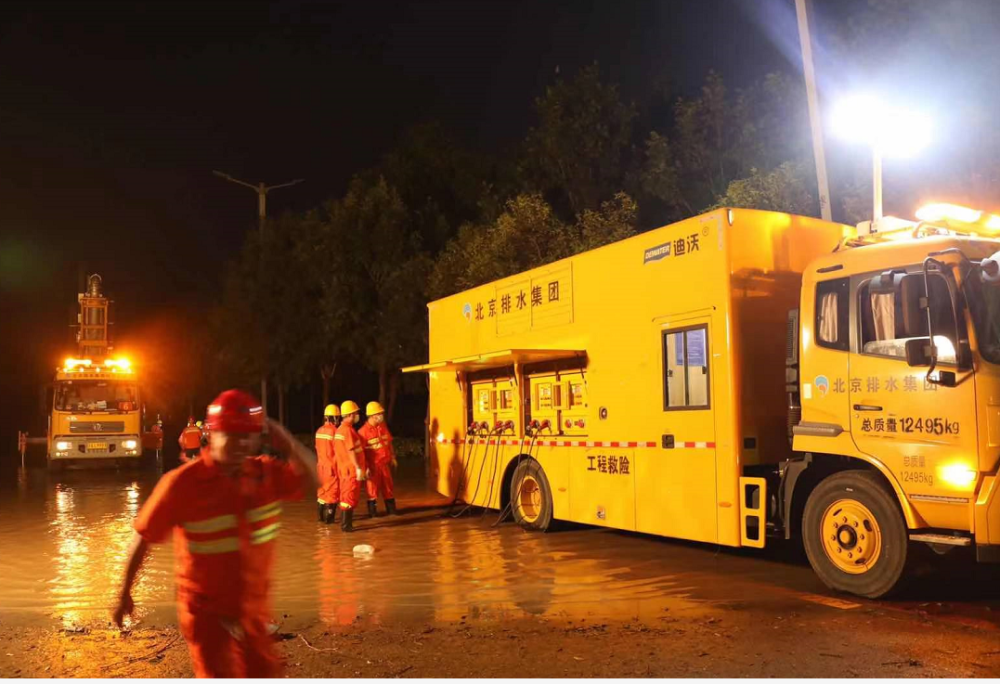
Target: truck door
<point>675,483</point>
<point>916,428</point>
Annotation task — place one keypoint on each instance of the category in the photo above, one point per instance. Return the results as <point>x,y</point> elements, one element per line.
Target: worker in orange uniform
<point>379,455</point>
<point>328,494</point>
<point>190,441</point>
<point>350,462</point>
<point>224,510</point>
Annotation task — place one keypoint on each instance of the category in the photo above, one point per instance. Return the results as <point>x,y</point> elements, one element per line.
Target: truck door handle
<point>866,407</point>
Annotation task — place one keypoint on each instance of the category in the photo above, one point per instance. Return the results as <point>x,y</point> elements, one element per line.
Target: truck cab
<point>898,384</point>
<point>96,414</point>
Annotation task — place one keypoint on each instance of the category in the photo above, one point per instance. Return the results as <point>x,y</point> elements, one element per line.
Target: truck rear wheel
<point>531,496</point>
<point>855,535</point>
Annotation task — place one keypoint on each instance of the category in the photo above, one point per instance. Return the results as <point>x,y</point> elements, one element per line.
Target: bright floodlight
<point>894,130</point>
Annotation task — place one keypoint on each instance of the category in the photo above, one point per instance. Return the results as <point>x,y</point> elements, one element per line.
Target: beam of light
<point>895,129</point>
<point>941,211</point>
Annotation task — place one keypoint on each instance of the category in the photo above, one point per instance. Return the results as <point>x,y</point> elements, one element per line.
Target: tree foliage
<point>787,188</point>
<point>527,234</point>
<point>579,153</point>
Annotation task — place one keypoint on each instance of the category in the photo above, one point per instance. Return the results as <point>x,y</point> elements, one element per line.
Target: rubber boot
<point>372,508</point>
<point>390,507</point>
<point>331,514</point>
<point>322,511</point>
<point>348,523</point>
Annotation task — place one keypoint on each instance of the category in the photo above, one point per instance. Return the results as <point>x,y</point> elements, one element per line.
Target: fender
<point>794,469</point>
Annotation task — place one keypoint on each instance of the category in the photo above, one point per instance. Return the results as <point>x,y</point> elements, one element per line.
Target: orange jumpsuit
<point>224,545</point>
<point>190,442</point>
<point>345,441</point>
<point>377,441</point>
<point>326,467</point>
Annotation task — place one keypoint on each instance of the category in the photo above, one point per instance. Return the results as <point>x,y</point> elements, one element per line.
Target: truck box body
<point>659,362</point>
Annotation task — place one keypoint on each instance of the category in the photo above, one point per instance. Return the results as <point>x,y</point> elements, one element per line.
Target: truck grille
<point>95,426</point>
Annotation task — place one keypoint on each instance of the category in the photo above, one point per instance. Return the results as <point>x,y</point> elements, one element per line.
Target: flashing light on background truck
<point>114,365</point>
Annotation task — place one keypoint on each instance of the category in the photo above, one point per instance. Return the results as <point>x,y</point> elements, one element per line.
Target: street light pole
<point>261,191</point>
<point>815,124</point>
<point>877,182</point>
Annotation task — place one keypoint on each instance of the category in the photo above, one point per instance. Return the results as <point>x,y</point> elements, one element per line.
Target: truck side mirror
<point>918,351</point>
<point>944,378</point>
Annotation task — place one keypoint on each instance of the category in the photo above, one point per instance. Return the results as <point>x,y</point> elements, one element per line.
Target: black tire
<point>868,489</point>
<point>529,478</point>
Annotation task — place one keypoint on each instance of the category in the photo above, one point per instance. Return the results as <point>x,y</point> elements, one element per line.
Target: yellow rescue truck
<point>739,375</point>
<point>96,414</point>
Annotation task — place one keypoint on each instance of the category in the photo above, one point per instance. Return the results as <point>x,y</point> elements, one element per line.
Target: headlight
<point>63,446</point>
<point>130,444</point>
<point>959,475</point>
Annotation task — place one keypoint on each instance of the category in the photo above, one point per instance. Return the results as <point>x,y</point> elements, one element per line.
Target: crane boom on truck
<point>96,415</point>
<point>736,376</point>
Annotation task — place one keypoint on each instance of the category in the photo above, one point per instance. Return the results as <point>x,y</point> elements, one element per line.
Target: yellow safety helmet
<point>374,408</point>
<point>331,410</point>
<point>198,423</point>
<point>349,407</point>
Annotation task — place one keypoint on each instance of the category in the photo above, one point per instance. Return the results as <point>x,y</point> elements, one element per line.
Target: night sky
<point>112,117</point>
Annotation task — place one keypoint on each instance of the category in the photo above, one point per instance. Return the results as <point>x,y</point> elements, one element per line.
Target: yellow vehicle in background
<point>96,416</point>
<point>739,375</point>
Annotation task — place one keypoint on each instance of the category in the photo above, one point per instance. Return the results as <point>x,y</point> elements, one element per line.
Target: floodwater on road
<point>64,538</point>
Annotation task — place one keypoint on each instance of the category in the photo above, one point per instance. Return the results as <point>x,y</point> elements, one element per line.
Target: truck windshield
<point>984,300</point>
<point>95,395</point>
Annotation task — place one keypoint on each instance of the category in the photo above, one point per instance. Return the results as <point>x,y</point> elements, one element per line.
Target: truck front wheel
<point>855,535</point>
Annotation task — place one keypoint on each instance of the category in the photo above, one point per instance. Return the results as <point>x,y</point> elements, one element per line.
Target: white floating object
<point>364,550</point>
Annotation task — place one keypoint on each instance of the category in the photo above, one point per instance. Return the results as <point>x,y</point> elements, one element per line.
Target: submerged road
<point>699,609</point>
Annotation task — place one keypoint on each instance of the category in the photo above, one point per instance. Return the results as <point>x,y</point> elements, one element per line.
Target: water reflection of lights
<point>72,546</point>
<point>64,500</point>
<point>132,499</point>
<point>91,547</point>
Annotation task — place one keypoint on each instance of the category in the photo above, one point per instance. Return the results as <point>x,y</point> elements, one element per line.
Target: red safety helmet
<point>235,411</point>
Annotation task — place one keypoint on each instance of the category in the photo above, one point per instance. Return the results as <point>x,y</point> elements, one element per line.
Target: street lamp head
<point>893,130</point>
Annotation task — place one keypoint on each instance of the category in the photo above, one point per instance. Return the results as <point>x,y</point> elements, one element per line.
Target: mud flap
<point>753,511</point>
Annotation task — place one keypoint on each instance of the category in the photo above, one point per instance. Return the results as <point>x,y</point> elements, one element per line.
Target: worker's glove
<point>358,474</point>
<point>394,463</point>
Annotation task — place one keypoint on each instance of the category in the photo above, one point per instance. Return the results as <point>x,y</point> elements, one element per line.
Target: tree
<point>721,137</point>
<point>322,268</point>
<point>438,181</point>
<point>381,275</point>
<point>787,188</point>
<point>262,325</point>
<point>579,154</point>
<point>527,234</point>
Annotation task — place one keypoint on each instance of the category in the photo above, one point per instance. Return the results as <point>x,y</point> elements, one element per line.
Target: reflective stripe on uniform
<point>375,443</point>
<point>265,534</point>
<point>324,436</point>
<point>222,522</point>
<point>339,436</point>
<point>224,545</point>
<point>265,511</point>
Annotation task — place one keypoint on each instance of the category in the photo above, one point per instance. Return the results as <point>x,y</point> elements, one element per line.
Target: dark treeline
<point>344,286</point>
